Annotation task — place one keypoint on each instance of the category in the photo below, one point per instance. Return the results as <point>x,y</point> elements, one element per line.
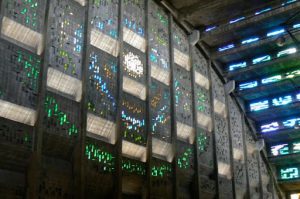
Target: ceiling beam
<point>227,28</point>
<point>203,5</point>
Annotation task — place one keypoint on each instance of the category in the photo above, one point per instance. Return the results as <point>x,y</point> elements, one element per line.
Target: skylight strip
<point>236,20</point>
<point>227,47</point>
<point>263,11</point>
<point>275,32</point>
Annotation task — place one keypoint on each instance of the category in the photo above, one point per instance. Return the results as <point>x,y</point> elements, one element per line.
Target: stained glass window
<point>19,75</point>
<point>61,116</point>
<point>160,110</point>
<point>133,120</point>
<point>105,16</point>
<point>133,166</point>
<point>102,155</point>
<point>29,13</point>
<point>134,23</point>
<point>102,93</point>
<point>185,156</point>
<point>66,37</point>
<point>183,96</point>
<point>159,44</point>
<point>289,173</point>
<point>104,25</point>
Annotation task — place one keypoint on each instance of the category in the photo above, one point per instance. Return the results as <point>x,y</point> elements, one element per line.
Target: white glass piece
<point>134,39</point>
<point>63,83</point>
<point>204,121</point>
<point>185,132</point>
<point>161,149</point>
<point>160,74</point>
<point>201,80</point>
<point>182,59</point>
<point>135,88</point>
<point>17,113</point>
<point>20,33</point>
<point>220,108</point>
<point>101,127</point>
<point>134,151</point>
<point>105,42</point>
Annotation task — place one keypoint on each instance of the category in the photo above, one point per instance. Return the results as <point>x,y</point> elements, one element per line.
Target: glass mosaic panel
<point>205,148</point>
<point>161,179</point>
<point>160,111</point>
<point>101,155</point>
<point>159,43</point>
<point>180,39</point>
<point>19,75</point>
<point>183,96</point>
<point>185,156</point>
<point>202,100</point>
<point>66,22</point>
<point>61,116</point>
<point>133,17</point>
<point>133,120</point>
<point>102,86</point>
<point>105,16</point>
<point>134,64</point>
<point>29,13</point>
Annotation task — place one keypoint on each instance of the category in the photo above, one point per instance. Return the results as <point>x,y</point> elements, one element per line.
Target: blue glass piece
<point>257,106</point>
<point>248,85</point>
<point>288,51</point>
<point>272,79</point>
<point>269,127</point>
<point>263,11</point>
<point>296,25</point>
<point>291,122</point>
<point>279,101</point>
<point>210,28</point>
<point>282,149</point>
<point>288,2</point>
<point>233,67</point>
<point>276,32</point>
<point>237,20</point>
<point>261,59</point>
<point>227,47</point>
<point>250,40</point>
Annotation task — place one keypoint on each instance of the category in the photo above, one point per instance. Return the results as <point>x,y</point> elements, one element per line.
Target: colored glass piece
<point>248,85</point>
<point>261,59</point>
<point>282,149</point>
<point>269,127</point>
<point>257,106</point>
<point>233,67</point>
<point>227,47</point>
